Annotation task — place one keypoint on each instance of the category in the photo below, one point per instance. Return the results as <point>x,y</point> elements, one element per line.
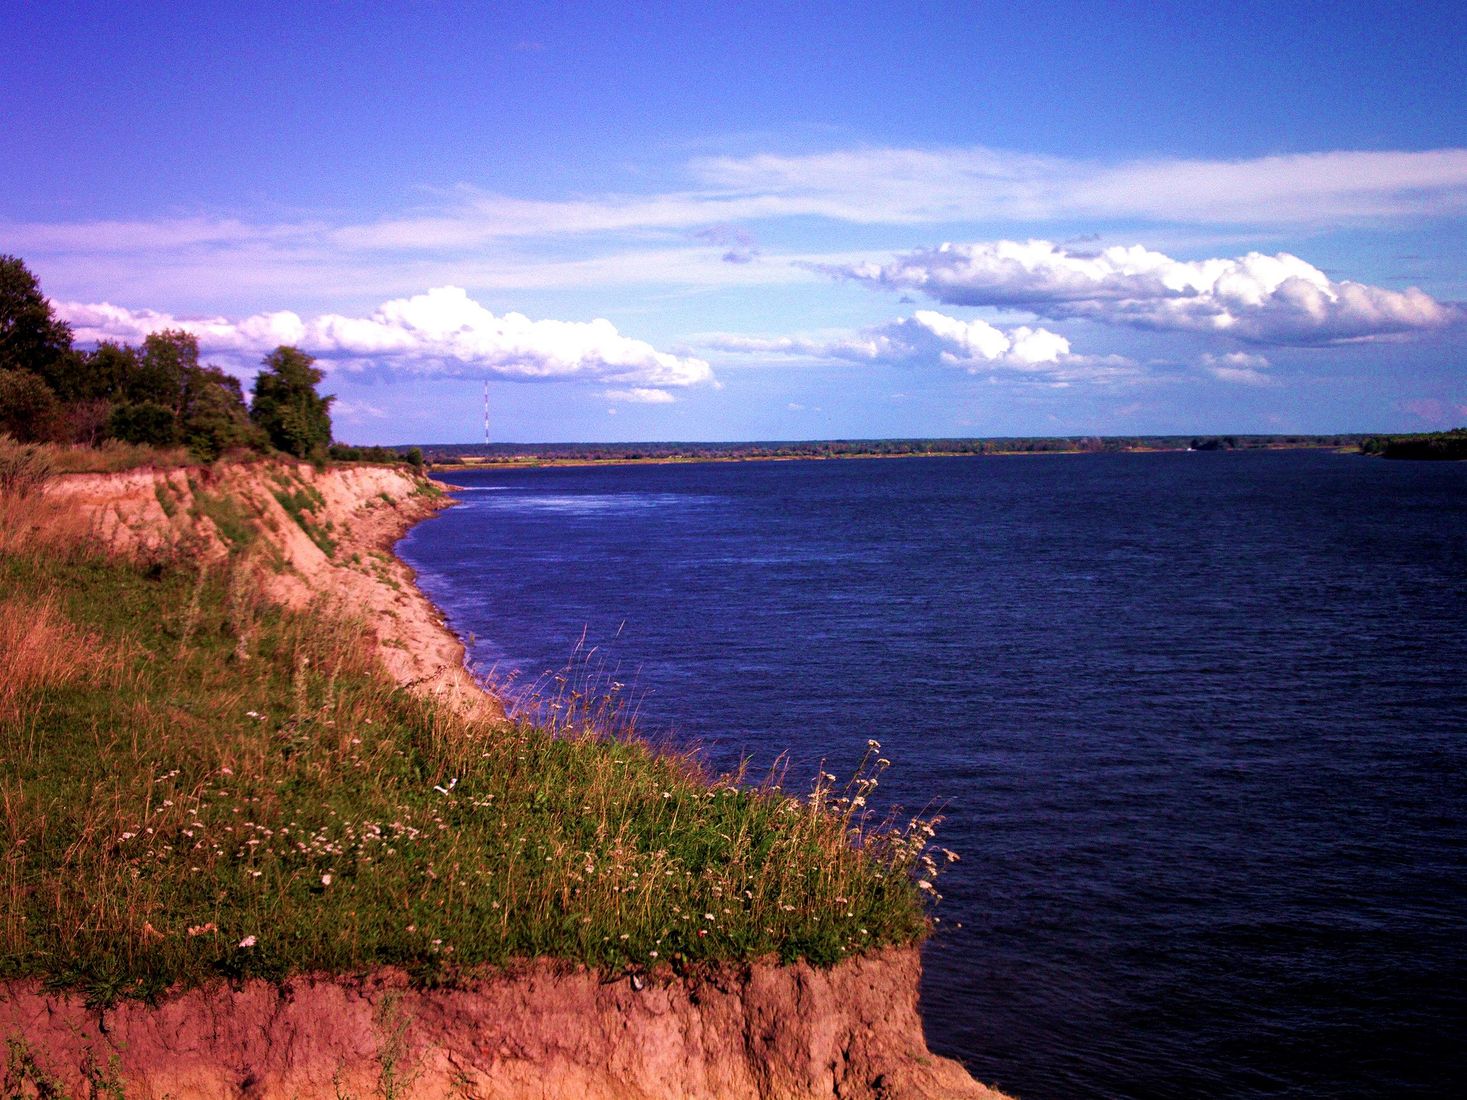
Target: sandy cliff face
<point>317,535</point>
<point>756,1033</point>
<point>761,1032</point>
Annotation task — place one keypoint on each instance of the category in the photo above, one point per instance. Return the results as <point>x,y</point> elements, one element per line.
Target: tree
<point>295,417</point>
<point>28,409</point>
<point>144,422</point>
<point>163,368</point>
<point>214,415</point>
<point>31,336</point>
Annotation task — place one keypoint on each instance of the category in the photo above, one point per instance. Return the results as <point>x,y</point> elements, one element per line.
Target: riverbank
<point>225,806</point>
<point>300,534</point>
<point>524,455</point>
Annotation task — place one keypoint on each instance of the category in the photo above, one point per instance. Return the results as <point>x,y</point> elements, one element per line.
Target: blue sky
<point>758,221</point>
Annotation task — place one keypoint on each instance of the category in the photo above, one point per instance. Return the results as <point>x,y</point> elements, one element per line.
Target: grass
<point>113,457</point>
<point>231,519</point>
<point>300,501</point>
<point>195,784</point>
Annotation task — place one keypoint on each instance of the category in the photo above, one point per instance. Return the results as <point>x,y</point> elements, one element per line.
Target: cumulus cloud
<point>1237,366</point>
<point>931,338</point>
<point>1277,299</point>
<point>440,332</point>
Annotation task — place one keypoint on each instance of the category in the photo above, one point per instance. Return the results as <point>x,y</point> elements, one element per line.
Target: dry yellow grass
<point>39,650</point>
<point>112,457</point>
<point>35,521</point>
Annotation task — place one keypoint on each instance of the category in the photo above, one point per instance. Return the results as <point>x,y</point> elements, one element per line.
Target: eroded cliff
<point>539,1029</point>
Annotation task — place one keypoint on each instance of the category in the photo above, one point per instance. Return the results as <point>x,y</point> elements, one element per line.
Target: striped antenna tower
<point>486,412</point>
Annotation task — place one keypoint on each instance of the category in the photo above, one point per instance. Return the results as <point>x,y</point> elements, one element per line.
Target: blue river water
<point>1196,723</point>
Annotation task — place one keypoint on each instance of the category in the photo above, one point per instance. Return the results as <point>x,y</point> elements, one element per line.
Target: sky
<point>754,221</point>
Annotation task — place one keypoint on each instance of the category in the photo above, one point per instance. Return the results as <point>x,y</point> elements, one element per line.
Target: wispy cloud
<point>929,338</point>
<point>441,332</point>
<point>640,395</point>
<point>1436,413</point>
<point>1237,366</point>
<point>866,186</point>
<point>949,185</point>
<point>1277,299</point>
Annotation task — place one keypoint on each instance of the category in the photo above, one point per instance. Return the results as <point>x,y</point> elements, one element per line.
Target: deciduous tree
<point>286,404</point>
<point>31,336</point>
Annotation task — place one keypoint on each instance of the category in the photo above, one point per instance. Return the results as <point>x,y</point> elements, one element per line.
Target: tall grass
<point>24,467</point>
<point>196,784</point>
<point>112,456</point>
<point>39,651</point>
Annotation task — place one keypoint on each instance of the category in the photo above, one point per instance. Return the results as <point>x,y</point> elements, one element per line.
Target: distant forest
<point>1450,446</point>
<point>531,453</point>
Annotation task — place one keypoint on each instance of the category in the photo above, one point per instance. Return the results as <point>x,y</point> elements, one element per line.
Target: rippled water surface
<point>1197,722</point>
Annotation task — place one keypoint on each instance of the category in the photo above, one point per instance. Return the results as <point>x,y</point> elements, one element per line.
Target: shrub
<point>144,422</point>
<point>24,467</point>
<point>28,409</point>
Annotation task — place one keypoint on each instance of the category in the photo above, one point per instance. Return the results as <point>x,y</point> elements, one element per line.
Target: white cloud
<point>440,332</point>
<point>1277,299</point>
<point>1237,366</point>
<point>358,411</point>
<point>864,186</point>
<point>885,186</point>
<point>931,338</point>
<point>948,185</point>
<point>94,322</point>
<point>640,395</point>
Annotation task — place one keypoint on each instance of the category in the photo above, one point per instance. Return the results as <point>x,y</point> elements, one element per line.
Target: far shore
<point>525,462</point>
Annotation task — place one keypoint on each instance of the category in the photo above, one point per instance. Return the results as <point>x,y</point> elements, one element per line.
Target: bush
<point>28,409</point>
<point>145,422</point>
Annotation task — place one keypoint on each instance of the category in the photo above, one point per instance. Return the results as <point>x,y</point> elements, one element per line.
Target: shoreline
<point>749,1027</point>
<point>537,463</point>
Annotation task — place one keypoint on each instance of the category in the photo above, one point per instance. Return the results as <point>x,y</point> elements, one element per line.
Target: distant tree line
<point>342,452</point>
<point>1449,445</point>
<point>873,448</point>
<point>158,394</point>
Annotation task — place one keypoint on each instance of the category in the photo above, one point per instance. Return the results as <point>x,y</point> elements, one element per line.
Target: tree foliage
<point>157,394</point>
<point>31,336</point>
<point>286,405</point>
<point>28,408</point>
<point>213,416</point>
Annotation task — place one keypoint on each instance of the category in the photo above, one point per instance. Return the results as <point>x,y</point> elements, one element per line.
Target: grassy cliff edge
<point>213,771</point>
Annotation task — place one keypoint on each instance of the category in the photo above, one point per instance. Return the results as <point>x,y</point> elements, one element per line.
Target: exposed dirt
<point>756,1033</point>
<point>362,510</point>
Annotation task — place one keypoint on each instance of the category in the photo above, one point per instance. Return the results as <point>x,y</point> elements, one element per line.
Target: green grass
<point>233,522</point>
<point>300,504</point>
<point>163,493</point>
<point>213,787</point>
